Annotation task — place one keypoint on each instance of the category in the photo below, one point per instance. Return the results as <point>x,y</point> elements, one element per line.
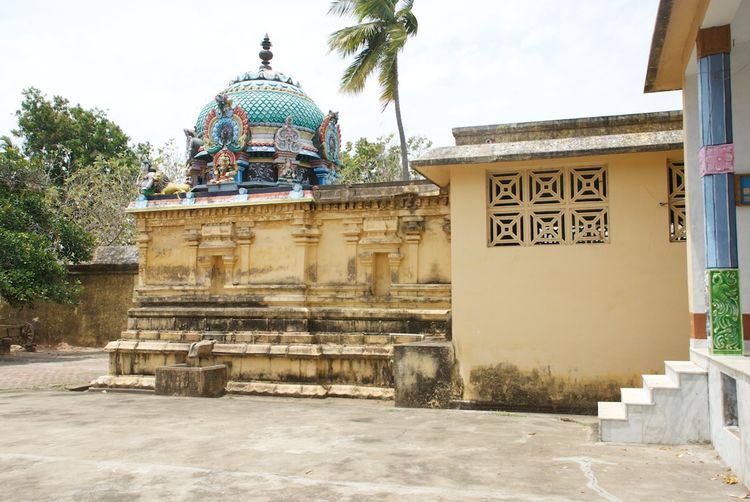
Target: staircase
<point>291,364</point>
<point>668,409</point>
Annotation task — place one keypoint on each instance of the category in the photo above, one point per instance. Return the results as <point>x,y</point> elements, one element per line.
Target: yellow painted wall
<point>330,248</point>
<point>582,312</point>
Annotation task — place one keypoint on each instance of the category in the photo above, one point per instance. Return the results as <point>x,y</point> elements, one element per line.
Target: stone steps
<point>670,408</point>
<point>254,388</point>
<point>274,337</point>
<point>289,389</point>
<point>227,318</point>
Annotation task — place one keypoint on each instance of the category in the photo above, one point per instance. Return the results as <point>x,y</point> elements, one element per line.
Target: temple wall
<point>379,246</point>
<point>568,323</point>
<point>99,316</point>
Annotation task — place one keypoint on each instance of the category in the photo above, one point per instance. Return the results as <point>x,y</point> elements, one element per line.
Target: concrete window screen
<point>677,215</point>
<point>548,207</point>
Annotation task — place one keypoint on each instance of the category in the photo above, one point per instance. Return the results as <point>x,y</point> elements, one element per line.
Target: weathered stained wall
<point>568,323</point>
<point>372,257</point>
<point>101,312</point>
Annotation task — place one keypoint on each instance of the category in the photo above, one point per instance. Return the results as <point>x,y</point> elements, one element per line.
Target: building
<point>703,48</point>
<point>555,225</point>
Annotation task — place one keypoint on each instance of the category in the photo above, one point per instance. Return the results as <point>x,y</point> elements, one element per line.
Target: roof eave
<point>675,29</point>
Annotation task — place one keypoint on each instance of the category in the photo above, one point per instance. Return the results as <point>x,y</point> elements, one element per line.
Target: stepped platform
<point>299,364</point>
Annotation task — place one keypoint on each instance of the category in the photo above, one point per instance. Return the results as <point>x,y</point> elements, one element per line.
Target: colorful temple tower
<point>262,130</point>
<point>273,278</point>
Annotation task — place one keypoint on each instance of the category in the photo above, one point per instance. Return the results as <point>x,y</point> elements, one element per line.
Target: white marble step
<point>612,411</point>
<point>660,382</point>
<point>640,396</point>
<point>677,369</point>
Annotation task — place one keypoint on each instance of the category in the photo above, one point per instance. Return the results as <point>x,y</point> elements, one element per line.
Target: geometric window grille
<point>537,207</point>
<point>677,214</point>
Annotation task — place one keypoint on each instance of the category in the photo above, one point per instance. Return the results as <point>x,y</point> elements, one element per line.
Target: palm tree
<point>384,26</point>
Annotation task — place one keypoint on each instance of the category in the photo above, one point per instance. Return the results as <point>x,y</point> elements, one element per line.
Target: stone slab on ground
<point>113,446</point>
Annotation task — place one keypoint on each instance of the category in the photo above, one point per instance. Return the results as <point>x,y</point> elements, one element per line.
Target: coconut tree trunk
<point>401,136</point>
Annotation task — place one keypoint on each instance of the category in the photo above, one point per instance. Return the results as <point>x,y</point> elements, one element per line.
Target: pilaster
<point>412,228</point>
<point>142,239</point>
<point>716,160</point>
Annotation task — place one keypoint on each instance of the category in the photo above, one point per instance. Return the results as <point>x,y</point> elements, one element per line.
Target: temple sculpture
<point>263,130</point>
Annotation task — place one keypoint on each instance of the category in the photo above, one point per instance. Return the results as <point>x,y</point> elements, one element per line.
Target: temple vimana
<point>291,284</point>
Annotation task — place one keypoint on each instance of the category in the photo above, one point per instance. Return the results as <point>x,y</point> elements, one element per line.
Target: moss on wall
<point>506,386</point>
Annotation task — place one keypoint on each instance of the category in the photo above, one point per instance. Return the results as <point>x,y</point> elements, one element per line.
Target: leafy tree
<point>384,26</point>
<point>368,161</point>
<point>170,160</point>
<point>96,196</point>
<point>36,241</point>
<point>65,138</point>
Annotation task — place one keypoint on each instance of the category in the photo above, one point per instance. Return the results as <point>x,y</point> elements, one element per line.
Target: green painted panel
<point>725,313</point>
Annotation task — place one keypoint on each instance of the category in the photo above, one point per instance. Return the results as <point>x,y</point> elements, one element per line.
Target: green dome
<point>268,98</point>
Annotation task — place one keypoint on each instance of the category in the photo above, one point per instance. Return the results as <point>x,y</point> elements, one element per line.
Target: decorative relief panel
<point>548,207</point>
<point>677,213</point>
<point>724,311</point>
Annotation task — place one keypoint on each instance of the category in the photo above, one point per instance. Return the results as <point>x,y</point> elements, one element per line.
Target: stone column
<point>306,236</point>
<point>192,237</point>
<point>365,270</point>
<point>352,231</point>
<point>412,228</point>
<point>716,159</point>
<point>245,237</point>
<point>394,262</point>
<point>230,260</point>
<point>142,239</point>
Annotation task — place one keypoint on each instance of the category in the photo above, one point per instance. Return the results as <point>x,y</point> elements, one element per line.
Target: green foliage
<point>384,26</point>
<point>88,158</point>
<point>65,138</point>
<point>368,161</point>
<point>36,241</point>
<point>96,195</point>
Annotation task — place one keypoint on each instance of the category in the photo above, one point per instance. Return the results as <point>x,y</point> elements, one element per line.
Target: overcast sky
<point>152,65</point>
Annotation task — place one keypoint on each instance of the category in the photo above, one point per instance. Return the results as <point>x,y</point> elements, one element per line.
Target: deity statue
<point>224,168</point>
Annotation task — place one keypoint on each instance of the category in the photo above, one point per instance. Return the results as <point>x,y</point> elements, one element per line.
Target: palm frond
<point>388,77</point>
<point>384,10</point>
<point>396,37</point>
<point>341,7</point>
<point>356,74</point>
<point>407,19</point>
<point>351,39</point>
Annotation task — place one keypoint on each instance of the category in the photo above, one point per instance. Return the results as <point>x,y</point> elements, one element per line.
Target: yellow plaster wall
<point>167,264</point>
<point>434,255</point>
<point>605,311</point>
<point>272,254</point>
<point>330,247</point>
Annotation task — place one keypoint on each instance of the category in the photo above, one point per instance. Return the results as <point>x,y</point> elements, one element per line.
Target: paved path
<point>39,370</point>
<point>91,446</point>
<point>109,446</point>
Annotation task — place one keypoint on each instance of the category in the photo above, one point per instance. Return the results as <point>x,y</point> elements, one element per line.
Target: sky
<point>152,65</point>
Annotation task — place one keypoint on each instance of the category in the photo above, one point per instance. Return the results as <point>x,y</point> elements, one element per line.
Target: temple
<point>301,287</point>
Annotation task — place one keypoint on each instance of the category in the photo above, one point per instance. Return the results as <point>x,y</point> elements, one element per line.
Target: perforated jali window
<point>548,206</point>
<point>677,214</point>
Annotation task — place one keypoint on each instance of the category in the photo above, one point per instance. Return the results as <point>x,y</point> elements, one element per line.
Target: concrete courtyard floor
<point>62,445</point>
